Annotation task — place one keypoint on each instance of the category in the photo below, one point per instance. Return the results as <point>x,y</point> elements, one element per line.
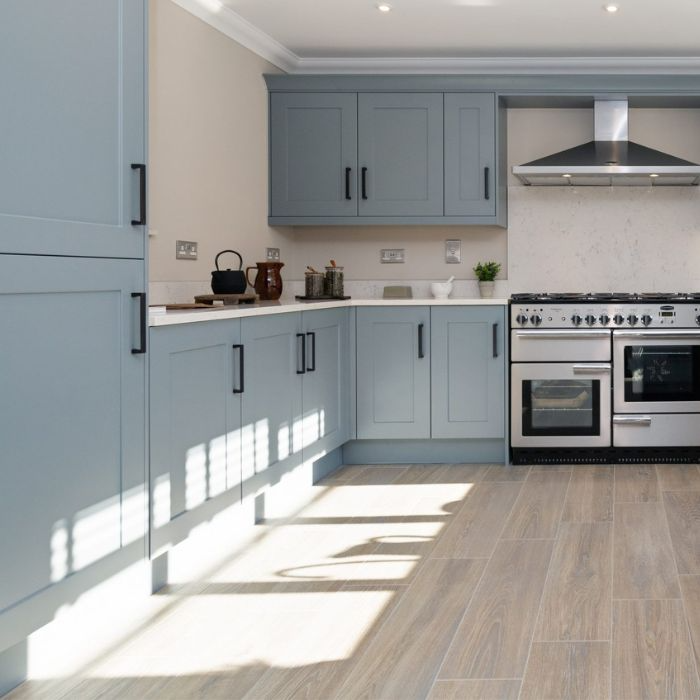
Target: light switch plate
<point>453,251</point>
<point>392,255</point>
<point>186,250</point>
<point>272,254</point>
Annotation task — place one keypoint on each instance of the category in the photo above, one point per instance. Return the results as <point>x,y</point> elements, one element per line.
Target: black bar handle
<point>364,183</point>
<point>495,339</point>
<point>312,335</point>
<point>141,221</point>
<point>303,353</point>
<point>486,183</point>
<point>347,183</point>
<point>421,354</point>
<point>241,370</point>
<point>143,324</point>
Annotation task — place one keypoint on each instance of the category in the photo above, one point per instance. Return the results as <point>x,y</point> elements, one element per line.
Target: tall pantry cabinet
<point>72,301</point>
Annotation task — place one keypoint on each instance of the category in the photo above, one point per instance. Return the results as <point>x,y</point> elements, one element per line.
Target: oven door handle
<point>577,335</point>
<point>659,334</point>
<point>632,420</point>
<point>592,368</point>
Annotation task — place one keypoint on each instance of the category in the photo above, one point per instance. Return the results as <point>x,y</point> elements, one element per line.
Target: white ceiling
<point>476,28</point>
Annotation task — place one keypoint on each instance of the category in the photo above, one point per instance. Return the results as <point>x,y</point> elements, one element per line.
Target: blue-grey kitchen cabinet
<point>393,372</point>
<point>468,372</point>
<point>73,124</point>
<point>195,408</point>
<point>271,433</point>
<point>471,184</point>
<point>326,382</point>
<point>73,429</point>
<point>313,154</point>
<point>400,154</point>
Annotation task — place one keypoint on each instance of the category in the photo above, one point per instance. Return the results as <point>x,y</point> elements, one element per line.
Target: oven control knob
<point>576,320</point>
<point>697,320</point>
<point>632,320</point>
<point>521,319</point>
<point>535,319</point>
<point>604,319</point>
<point>619,319</point>
<point>591,319</point>
<point>646,319</point>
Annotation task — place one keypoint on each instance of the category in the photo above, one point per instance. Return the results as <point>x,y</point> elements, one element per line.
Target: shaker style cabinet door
<point>400,154</point>
<point>73,428</point>
<point>195,408</point>
<point>271,435</point>
<point>470,154</point>
<point>326,382</point>
<point>313,154</point>
<point>468,372</point>
<point>72,77</point>
<point>393,372</point>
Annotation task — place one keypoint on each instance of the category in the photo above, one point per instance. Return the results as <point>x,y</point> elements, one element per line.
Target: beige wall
<point>207,146</point>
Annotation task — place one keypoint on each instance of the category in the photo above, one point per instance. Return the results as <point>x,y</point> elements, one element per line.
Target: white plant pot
<point>486,289</point>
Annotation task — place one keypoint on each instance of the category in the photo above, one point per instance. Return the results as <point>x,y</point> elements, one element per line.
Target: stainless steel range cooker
<point>605,377</point>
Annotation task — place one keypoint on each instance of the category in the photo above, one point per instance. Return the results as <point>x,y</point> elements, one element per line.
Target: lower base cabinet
<point>236,404</point>
<point>430,372</point>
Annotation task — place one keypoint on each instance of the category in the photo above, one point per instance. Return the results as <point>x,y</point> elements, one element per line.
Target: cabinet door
<point>468,372</point>
<point>470,154</point>
<point>272,423</point>
<point>72,401</point>
<point>393,372</point>
<point>195,424</point>
<point>73,122</point>
<point>326,382</point>
<point>313,154</point>
<point>400,144</point>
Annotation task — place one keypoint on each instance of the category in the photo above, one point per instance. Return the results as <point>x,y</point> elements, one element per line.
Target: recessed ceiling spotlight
<point>612,9</point>
<point>384,7</point>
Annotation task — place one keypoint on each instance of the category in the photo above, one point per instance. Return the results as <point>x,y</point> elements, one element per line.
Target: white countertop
<point>267,308</point>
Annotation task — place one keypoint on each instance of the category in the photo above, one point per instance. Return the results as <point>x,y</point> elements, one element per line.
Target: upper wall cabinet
<point>73,123</point>
<point>385,158</point>
<point>470,154</point>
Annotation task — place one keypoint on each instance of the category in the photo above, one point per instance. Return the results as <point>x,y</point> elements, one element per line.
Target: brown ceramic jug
<point>268,281</point>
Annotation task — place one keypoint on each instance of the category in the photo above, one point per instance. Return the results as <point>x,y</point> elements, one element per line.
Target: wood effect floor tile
<point>474,530</point>
<point>475,690</point>
<point>636,483</point>
<point>652,653</point>
<point>493,639</point>
<point>590,494</point>
<point>507,472</point>
<point>402,658</point>
<point>690,588</point>
<point>376,475</point>
<point>644,566</point>
<point>576,604</point>
<point>461,473</point>
<point>537,511</point>
<point>571,670</point>
<point>678,477</point>
<point>683,514</point>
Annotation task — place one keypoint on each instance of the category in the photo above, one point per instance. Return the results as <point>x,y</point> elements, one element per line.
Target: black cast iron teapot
<point>228,281</point>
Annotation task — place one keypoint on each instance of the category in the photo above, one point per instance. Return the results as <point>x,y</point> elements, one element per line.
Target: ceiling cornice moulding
<point>230,23</point>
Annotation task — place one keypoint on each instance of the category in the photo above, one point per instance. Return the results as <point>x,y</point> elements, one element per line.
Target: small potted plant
<point>486,274</point>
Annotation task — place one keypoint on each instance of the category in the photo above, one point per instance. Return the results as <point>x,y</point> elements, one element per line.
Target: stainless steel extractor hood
<point>609,160</point>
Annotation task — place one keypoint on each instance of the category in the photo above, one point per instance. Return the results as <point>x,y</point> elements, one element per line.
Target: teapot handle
<point>216,259</point>
<point>246,274</point>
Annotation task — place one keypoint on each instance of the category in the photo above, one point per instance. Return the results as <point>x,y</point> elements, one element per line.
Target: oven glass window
<point>662,373</point>
<point>561,407</point>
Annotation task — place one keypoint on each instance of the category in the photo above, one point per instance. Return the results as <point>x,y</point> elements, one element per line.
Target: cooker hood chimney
<point>609,160</point>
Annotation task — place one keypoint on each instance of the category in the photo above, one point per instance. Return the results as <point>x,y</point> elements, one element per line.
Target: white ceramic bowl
<point>441,290</point>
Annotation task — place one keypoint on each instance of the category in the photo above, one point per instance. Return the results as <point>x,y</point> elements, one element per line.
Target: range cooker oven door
<point>656,371</point>
<point>560,404</point>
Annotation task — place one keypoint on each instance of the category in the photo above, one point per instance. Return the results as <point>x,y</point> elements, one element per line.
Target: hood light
<point>612,9</point>
<point>384,7</point>
<point>567,176</point>
<point>654,175</point>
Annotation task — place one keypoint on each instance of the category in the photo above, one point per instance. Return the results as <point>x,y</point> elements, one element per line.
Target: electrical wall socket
<point>186,250</point>
<point>272,254</point>
<point>392,255</point>
<point>453,251</point>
